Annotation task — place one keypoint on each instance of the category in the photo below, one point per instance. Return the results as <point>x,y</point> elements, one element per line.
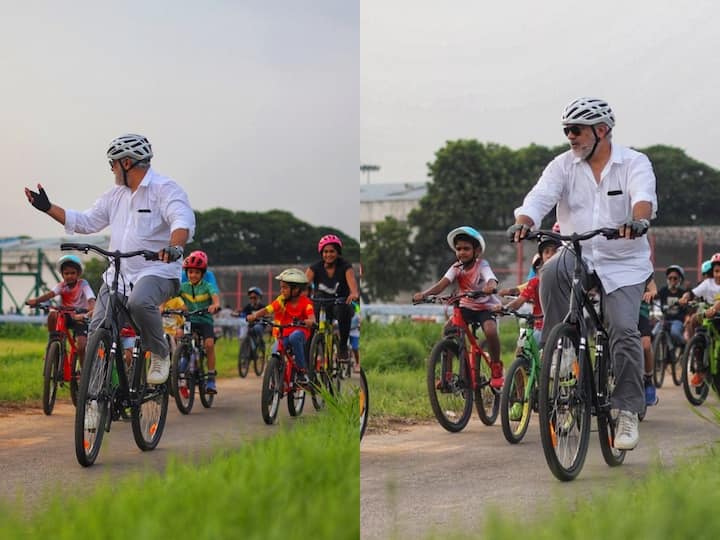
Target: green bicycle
<point>519,397</point>
<point>323,362</point>
<point>700,361</point>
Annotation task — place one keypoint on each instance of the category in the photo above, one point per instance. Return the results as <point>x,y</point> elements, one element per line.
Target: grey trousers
<point>622,309</point>
<point>143,303</point>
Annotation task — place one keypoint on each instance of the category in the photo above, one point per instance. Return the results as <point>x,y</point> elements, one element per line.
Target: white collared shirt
<point>140,220</point>
<point>584,204</point>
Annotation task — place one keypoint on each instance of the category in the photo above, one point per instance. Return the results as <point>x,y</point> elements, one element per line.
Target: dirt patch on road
<point>11,408</point>
<point>380,425</point>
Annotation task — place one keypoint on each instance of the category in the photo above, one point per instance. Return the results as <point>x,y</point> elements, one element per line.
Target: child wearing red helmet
<point>198,293</point>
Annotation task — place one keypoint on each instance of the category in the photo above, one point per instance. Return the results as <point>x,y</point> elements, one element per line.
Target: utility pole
<point>367,169</point>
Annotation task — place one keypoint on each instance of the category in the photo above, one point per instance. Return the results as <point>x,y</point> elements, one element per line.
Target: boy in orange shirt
<point>292,306</point>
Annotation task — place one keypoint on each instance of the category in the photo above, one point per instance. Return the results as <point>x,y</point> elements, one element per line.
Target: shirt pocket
<point>618,208</point>
<point>148,222</point>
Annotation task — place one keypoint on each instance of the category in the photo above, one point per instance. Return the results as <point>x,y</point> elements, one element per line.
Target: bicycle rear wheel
<point>271,390</point>
<point>52,370</point>
<point>259,361</point>
<point>563,403</point>
<point>450,396</point>
<point>487,398</point>
<point>93,405</point>
<point>244,357</point>
<point>296,398</point>
<point>182,379</point>
<point>149,412</point>
<point>695,383</point>
<point>515,407</point>
<point>660,358</point>
<point>364,397</point>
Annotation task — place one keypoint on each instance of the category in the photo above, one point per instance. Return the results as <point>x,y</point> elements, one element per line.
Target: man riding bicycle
<point>144,210</point>
<point>597,184</point>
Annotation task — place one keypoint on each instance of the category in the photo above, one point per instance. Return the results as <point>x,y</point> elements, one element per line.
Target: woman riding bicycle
<point>597,184</point>
<point>334,277</point>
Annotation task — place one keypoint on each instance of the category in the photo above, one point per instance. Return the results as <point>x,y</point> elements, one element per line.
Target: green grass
<point>301,483</point>
<point>394,357</point>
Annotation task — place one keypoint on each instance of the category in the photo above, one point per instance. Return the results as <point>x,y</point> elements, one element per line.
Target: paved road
<point>425,477</point>
<point>37,451</point>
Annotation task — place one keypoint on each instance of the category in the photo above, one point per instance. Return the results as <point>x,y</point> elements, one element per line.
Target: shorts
<point>78,328</point>
<point>354,342</point>
<point>204,329</point>
<point>477,317</point>
<point>644,327</point>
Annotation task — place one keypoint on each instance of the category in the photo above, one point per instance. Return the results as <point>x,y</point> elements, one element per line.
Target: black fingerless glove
<point>637,227</point>
<point>40,200</point>
<point>512,229</point>
<point>174,252</point>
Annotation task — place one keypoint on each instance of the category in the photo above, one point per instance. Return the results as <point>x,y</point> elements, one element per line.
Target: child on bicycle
<point>74,292</point>
<point>645,329</point>
<point>473,274</point>
<point>669,296</point>
<point>256,330</point>
<point>197,294</point>
<point>530,291</point>
<point>292,306</point>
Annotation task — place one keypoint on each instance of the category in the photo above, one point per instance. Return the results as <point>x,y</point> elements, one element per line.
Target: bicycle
<point>187,368</point>
<point>325,368</point>
<point>572,384</point>
<point>700,361</point>
<point>457,377</point>
<point>252,347</point>
<point>108,386</point>
<point>364,397</point>
<point>519,397</point>
<point>280,380</point>
<point>61,366</point>
<point>666,353</point>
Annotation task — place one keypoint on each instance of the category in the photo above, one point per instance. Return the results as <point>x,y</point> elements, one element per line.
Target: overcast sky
<point>249,105</point>
<point>503,71</point>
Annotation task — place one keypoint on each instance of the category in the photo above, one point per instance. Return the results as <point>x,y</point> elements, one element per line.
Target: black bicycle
<point>188,369</point>
<point>111,388</point>
<point>666,352</point>
<point>574,383</point>
<point>252,349</point>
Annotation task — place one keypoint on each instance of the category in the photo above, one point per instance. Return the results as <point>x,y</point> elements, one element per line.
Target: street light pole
<point>367,169</point>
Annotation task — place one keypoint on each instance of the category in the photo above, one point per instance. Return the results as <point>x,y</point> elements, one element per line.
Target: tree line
<point>480,184</point>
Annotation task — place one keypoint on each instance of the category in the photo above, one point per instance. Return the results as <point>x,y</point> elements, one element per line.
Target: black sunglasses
<point>575,130</point>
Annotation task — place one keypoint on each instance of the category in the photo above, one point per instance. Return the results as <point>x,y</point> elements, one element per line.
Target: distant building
<point>377,201</point>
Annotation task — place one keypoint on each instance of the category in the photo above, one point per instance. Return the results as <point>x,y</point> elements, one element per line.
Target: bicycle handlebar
<point>527,316</point>
<point>52,307</point>
<point>607,232</point>
<point>328,301</point>
<point>280,326</point>
<point>149,255</point>
<point>183,312</point>
<point>453,298</point>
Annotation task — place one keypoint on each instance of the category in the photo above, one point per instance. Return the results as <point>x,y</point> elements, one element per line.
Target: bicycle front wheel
<point>660,358</point>
<point>607,418</point>
<point>487,398</point>
<point>564,403</point>
<point>450,396</point>
<point>149,412</point>
<point>515,401</point>
<point>677,365</point>
<point>271,390</point>
<point>52,370</point>
<point>93,405</point>
<point>259,361</point>
<point>74,378</point>
<point>364,397</point>
<point>296,399</point>
<point>695,384</point>
<point>182,379</point>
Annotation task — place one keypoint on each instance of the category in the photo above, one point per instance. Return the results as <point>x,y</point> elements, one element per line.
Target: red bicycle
<point>281,379</point>
<point>61,365</point>
<point>458,375</point>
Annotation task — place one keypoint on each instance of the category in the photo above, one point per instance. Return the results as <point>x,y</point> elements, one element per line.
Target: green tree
<point>273,237</point>
<point>93,271</point>
<point>388,263</point>
<point>685,187</point>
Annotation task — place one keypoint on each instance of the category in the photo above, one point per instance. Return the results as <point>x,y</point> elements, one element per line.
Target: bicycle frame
<point>466,334</point>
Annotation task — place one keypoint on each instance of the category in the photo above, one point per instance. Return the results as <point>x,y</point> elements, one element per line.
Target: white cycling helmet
<point>588,112</point>
<point>130,145</point>
<point>468,231</point>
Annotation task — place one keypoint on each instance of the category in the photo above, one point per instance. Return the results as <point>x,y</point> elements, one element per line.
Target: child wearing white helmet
<point>472,272</point>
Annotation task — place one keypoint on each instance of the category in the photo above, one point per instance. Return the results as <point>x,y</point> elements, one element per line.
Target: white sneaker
<point>566,361</point>
<point>92,416</point>
<point>626,433</point>
<point>159,369</point>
